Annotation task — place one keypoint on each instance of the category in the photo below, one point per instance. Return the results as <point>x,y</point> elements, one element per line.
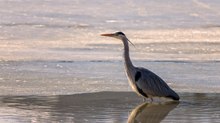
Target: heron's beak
<point>109,35</point>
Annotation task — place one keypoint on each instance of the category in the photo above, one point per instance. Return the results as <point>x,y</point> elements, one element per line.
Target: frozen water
<point>57,44</point>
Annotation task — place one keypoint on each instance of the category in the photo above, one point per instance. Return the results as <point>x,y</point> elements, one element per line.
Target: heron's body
<point>143,81</point>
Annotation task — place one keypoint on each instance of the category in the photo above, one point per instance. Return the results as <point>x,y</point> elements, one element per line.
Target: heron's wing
<point>151,84</point>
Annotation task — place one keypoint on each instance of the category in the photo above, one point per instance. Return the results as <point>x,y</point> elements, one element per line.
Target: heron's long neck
<point>128,64</point>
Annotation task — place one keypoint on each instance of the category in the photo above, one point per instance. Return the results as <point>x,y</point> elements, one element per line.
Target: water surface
<point>108,107</point>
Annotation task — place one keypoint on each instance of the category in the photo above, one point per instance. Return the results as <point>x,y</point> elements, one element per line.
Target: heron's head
<point>118,35</point>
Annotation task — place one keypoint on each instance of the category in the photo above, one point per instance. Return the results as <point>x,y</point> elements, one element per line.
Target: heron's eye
<point>120,33</point>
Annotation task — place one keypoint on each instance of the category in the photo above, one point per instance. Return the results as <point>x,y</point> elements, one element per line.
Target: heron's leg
<point>151,100</point>
<point>144,99</point>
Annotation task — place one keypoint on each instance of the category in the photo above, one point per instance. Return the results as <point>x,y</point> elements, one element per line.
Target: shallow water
<point>108,107</point>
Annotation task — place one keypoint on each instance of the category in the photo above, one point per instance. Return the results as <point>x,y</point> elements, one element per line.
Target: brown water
<point>109,107</point>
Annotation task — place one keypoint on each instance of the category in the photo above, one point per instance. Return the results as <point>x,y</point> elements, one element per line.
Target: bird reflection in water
<point>151,112</point>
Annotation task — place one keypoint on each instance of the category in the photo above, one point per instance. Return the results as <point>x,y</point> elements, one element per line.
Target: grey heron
<point>144,82</point>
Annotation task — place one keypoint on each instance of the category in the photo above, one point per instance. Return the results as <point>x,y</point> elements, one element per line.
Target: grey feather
<point>153,85</point>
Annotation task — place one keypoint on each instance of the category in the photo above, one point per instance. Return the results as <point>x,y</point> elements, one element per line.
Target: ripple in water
<point>118,107</point>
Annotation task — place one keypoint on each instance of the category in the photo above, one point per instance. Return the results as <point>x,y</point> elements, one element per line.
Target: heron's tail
<point>173,96</point>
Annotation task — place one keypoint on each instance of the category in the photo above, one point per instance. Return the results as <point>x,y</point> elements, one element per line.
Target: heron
<point>143,81</point>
